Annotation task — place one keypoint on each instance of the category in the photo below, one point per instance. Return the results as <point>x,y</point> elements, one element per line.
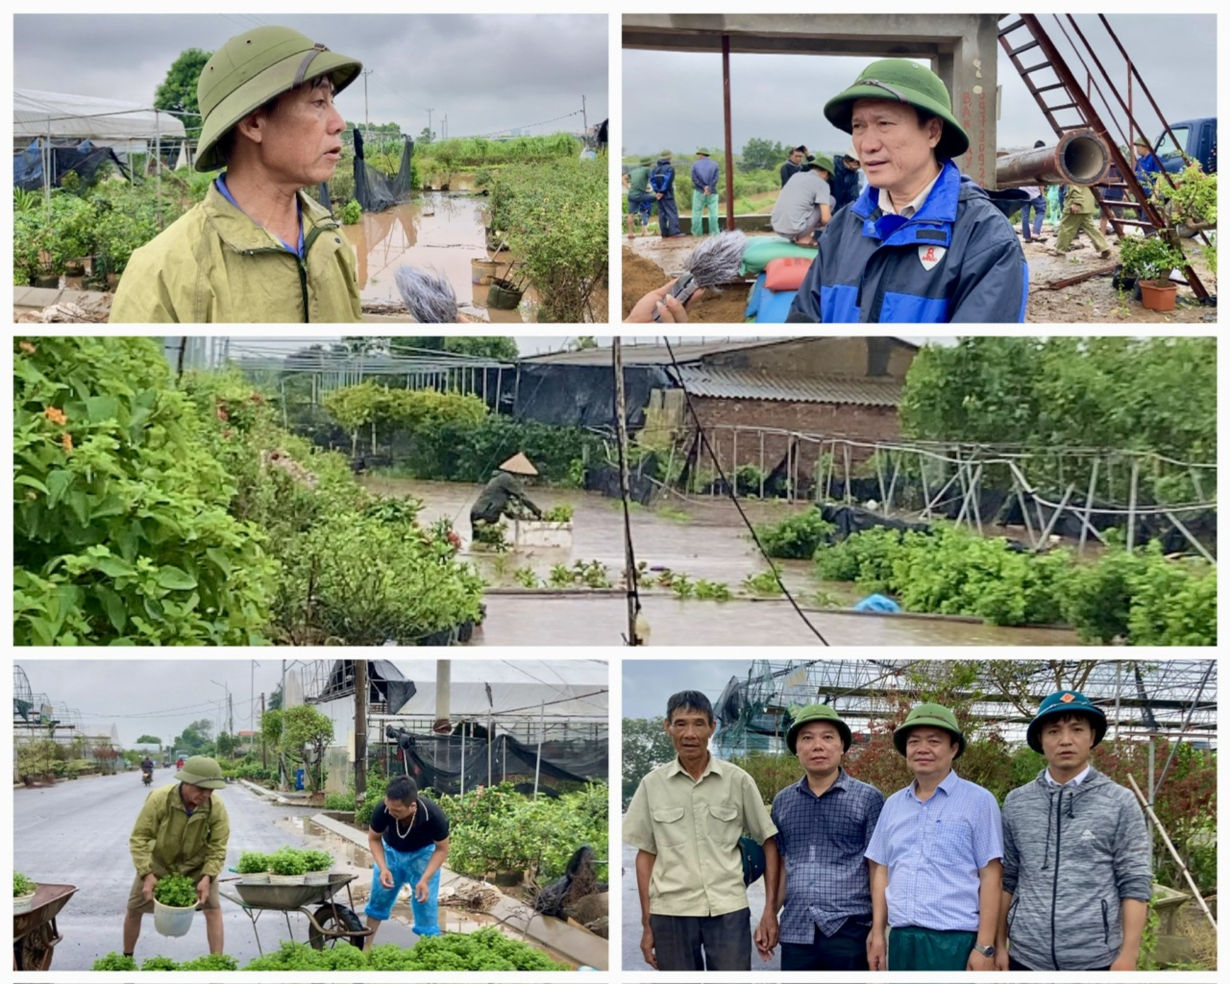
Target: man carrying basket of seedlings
<point>182,830</point>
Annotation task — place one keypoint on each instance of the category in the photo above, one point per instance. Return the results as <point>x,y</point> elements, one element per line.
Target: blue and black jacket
<point>662,178</point>
<point>957,259</point>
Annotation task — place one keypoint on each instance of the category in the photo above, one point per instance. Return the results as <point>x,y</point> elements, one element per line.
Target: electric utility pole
<point>367,119</point>
<point>430,110</point>
<point>360,730</point>
<point>584,118</point>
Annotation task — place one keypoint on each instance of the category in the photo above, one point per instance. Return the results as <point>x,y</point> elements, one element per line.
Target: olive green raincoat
<point>165,840</point>
<point>215,265</point>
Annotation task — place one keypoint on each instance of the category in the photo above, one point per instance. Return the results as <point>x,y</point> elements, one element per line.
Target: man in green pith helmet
<point>923,243</point>
<point>1077,879</point>
<point>936,858</point>
<point>181,830</point>
<point>257,249</point>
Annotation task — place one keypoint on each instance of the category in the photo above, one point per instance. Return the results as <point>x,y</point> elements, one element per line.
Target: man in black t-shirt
<point>408,838</point>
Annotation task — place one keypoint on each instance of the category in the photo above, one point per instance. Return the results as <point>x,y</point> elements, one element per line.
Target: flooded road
<point>436,230</point>
<point>700,538</point>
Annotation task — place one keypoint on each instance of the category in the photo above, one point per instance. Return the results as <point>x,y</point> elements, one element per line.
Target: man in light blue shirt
<point>936,858</point>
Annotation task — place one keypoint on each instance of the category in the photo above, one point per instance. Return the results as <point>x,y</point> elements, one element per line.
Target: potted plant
<point>23,893</point>
<point>286,867</point>
<point>318,864</point>
<point>254,866</point>
<point>1150,261</point>
<point>174,904</point>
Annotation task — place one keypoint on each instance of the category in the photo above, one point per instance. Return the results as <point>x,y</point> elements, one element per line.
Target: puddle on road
<point>704,539</point>
<point>437,231</point>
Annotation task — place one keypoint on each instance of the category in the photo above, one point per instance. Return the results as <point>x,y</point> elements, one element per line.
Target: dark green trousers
<point>915,948</point>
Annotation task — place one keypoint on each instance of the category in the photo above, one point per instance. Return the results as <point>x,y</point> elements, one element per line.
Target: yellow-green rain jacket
<point>215,265</point>
<point>166,841</point>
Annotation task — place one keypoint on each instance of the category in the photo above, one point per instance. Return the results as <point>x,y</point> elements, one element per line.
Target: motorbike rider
<point>147,768</point>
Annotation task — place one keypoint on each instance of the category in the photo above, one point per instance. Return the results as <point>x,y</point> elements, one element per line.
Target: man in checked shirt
<point>824,824</point>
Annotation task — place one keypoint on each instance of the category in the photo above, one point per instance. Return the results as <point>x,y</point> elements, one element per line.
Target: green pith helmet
<point>665,155</point>
<point>201,770</point>
<point>646,162</point>
<point>821,161</point>
<point>933,716</point>
<point>1066,702</point>
<point>904,81</point>
<point>252,68</point>
<point>811,714</point>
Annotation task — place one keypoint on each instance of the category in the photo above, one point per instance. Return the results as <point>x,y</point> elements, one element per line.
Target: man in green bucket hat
<point>923,244</point>
<point>935,858</point>
<point>258,248</point>
<point>805,205</point>
<point>1077,880</point>
<point>182,829</point>
<point>824,824</point>
<point>640,199</point>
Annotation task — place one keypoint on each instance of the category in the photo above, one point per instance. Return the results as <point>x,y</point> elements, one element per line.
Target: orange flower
<point>27,348</point>
<point>55,415</point>
<point>67,440</point>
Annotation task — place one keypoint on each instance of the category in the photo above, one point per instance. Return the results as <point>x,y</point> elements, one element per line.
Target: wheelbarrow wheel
<point>335,919</point>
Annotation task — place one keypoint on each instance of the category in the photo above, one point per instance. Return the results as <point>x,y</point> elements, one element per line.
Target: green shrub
<point>352,213</point>
<point>114,961</point>
<point>211,961</point>
<point>558,514</point>
<point>22,885</point>
<point>763,583</point>
<point>287,861</point>
<point>158,963</point>
<point>796,537</point>
<point>339,801</point>
<point>177,891</point>
<point>252,862</point>
<point>317,860</point>
<point>374,797</point>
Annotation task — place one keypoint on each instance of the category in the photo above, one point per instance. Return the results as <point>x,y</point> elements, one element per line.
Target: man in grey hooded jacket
<point>1076,881</point>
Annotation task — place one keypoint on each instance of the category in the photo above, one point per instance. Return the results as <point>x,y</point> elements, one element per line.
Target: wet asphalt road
<point>76,833</point>
<point>631,942</point>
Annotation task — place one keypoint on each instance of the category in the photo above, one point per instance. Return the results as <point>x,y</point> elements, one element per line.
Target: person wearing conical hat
<point>182,829</point>
<point>922,244</point>
<point>935,857</point>
<point>504,495</point>
<point>1077,880</point>
<point>824,824</point>
<point>258,248</point>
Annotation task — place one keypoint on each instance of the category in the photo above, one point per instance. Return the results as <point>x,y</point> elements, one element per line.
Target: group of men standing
<point>653,183</point>
<point>937,877</point>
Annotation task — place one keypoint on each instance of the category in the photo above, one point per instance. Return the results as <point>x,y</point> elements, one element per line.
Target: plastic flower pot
<point>23,903</point>
<point>1158,295</point>
<point>255,878</point>
<point>276,879</point>
<point>316,878</point>
<point>503,295</point>
<point>171,920</point>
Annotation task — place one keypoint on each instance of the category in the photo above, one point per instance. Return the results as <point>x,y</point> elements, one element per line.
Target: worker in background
<point>640,199</point>
<point>805,205</point>
<point>705,174</point>
<point>923,243</point>
<point>794,164</point>
<point>1080,208</point>
<point>504,495</point>
<point>847,180</point>
<point>258,248</point>
<point>662,184</point>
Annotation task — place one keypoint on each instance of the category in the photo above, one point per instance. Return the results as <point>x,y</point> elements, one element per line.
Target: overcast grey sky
<point>648,683</point>
<point>486,72</point>
<point>674,100</point>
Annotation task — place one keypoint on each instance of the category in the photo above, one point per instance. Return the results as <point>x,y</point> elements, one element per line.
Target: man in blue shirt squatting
<point>1077,880</point>
<point>685,821</point>
<point>923,243</point>
<point>935,858</point>
<point>824,824</point>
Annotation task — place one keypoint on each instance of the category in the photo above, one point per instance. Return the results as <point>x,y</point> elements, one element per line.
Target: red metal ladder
<point>1064,93</point>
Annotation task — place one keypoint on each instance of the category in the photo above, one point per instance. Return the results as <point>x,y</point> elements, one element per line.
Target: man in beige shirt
<point>685,821</point>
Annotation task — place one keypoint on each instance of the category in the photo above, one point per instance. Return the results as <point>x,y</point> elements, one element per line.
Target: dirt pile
<point>640,277</point>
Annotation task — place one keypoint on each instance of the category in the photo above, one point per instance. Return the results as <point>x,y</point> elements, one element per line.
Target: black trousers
<point>726,941</point>
<point>846,949</point>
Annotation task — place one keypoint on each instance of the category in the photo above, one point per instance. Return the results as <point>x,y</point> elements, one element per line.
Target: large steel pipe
<point>1081,157</point>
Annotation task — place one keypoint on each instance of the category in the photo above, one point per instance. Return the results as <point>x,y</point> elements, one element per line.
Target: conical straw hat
<point>519,464</point>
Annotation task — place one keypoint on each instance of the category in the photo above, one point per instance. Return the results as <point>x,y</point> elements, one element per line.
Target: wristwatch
<point>986,951</point>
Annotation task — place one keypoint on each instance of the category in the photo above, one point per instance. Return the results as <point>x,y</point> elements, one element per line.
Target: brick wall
<point>825,419</point>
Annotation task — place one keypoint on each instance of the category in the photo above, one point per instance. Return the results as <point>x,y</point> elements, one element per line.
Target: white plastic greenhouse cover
<point>82,117</point>
<point>571,688</point>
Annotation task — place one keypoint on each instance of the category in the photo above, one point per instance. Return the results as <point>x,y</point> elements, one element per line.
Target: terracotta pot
<point>1158,295</point>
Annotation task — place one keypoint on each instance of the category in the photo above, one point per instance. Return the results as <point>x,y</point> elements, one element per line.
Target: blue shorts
<point>407,868</point>
<point>642,204</point>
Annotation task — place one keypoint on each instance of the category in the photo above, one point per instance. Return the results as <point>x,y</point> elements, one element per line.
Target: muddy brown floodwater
<point>701,538</point>
<point>436,230</point>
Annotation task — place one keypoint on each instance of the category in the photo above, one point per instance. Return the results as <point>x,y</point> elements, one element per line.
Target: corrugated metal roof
<point>652,354</point>
<point>750,384</point>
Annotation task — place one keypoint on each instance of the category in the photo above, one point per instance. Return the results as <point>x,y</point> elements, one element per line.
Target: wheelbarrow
<point>329,922</point>
<point>34,933</point>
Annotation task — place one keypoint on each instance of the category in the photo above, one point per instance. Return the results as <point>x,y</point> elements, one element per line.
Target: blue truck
<point>1197,140</point>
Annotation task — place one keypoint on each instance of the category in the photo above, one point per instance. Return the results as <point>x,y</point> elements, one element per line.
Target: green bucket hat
<point>201,770</point>
<point>665,155</point>
<point>646,162</point>
<point>1065,702</point>
<point>252,68</point>
<point>933,716</point>
<point>908,82</point>
<point>817,712</point>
